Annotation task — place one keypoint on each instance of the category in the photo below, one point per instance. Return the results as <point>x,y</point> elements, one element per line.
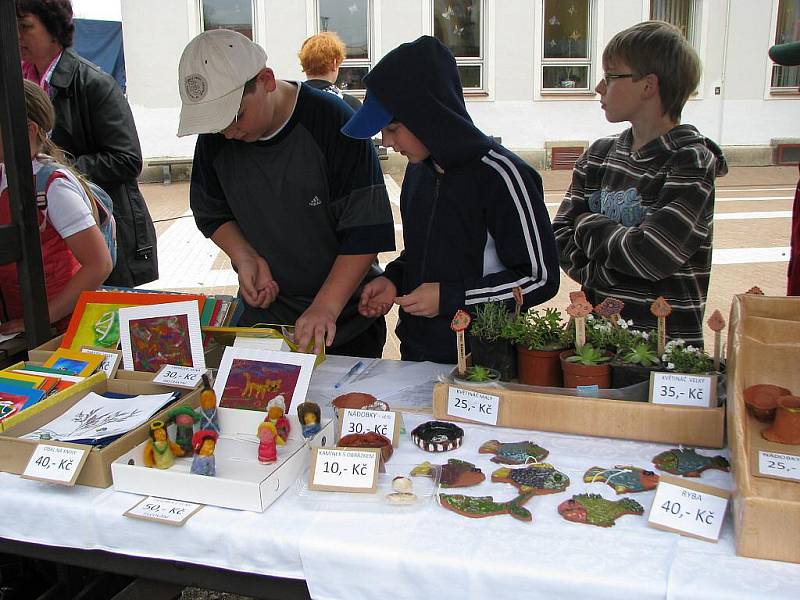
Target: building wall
<point>732,106</point>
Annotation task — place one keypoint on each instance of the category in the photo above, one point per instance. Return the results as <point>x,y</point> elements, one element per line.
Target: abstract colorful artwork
<point>70,362</point>
<point>159,341</point>
<point>252,384</point>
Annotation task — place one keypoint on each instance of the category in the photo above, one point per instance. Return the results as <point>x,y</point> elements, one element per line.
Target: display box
<point>623,419</point>
<point>41,353</point>
<point>241,482</point>
<point>15,453</point>
<point>763,347</point>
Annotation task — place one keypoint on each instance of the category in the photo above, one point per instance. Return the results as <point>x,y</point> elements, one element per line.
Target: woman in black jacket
<point>95,125</point>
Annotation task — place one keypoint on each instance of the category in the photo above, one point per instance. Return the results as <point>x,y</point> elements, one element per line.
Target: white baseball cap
<point>212,72</point>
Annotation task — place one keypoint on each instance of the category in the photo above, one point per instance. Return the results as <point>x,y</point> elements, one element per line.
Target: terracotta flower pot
<point>786,428</point>
<point>576,374</point>
<point>358,400</point>
<point>762,400</point>
<point>539,367</point>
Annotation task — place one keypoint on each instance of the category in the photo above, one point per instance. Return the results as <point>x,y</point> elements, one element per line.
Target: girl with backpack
<point>75,254</point>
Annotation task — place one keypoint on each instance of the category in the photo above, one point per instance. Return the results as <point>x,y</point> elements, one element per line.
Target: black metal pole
<point>16,150</point>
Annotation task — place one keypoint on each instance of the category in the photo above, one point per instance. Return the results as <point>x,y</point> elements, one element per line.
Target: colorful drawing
<point>252,384</point>
<point>10,404</point>
<point>158,341</point>
<point>70,362</point>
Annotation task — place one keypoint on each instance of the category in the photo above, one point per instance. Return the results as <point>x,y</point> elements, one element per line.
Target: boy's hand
<point>256,284</point>
<point>12,326</point>
<point>422,302</point>
<point>317,324</point>
<point>377,297</point>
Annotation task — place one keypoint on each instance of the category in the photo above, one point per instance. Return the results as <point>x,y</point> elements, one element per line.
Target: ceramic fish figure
<point>625,479</point>
<point>688,463</point>
<point>538,479</point>
<point>477,507</point>
<point>456,473</point>
<point>593,509</point>
<point>514,453</point>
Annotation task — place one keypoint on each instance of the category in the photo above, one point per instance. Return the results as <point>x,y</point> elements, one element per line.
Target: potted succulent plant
<point>479,374</point>
<point>633,364</point>
<point>540,337</point>
<point>490,339</point>
<point>586,365</point>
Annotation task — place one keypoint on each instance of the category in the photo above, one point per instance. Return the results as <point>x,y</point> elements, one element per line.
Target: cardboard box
<point>43,352</point>
<point>597,416</point>
<point>15,452</point>
<point>241,481</point>
<point>763,347</point>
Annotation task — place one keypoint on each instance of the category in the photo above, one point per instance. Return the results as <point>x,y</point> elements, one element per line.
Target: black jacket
<point>480,228</point>
<point>95,125</point>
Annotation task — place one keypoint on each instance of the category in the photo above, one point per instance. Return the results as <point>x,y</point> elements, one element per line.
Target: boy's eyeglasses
<point>609,77</point>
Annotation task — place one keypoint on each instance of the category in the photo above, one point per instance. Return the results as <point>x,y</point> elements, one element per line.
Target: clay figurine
<point>579,310</point>
<point>309,415</point>
<point>456,473</point>
<point>514,453</point>
<point>459,324</point>
<point>402,494</point>
<point>624,479</point>
<point>160,451</point>
<point>184,418</point>
<point>661,309</point>
<point>204,443</point>
<point>786,428</point>
<point>716,322</point>
<point>537,479</point>
<point>208,407</point>
<point>276,414</point>
<point>267,443</point>
<point>688,463</point>
<point>593,509</point>
<point>478,507</point>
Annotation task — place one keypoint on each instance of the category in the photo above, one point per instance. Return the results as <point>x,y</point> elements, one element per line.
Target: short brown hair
<point>55,15</point>
<point>660,48</point>
<point>319,52</point>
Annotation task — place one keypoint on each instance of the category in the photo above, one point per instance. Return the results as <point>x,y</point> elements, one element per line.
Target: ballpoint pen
<point>356,368</point>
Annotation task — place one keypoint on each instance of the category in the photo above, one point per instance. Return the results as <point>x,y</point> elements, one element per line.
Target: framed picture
<point>111,359</point>
<point>161,334</point>
<point>72,362</point>
<point>95,320</point>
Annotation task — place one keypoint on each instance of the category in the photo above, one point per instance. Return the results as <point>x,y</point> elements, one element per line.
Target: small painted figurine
<point>309,415</point>
<point>688,462</point>
<point>515,453</point>
<point>184,418</point>
<point>625,479</point>
<point>593,509</point>
<point>456,473</point>
<point>160,451</point>
<point>267,443</point>
<point>204,443</point>
<point>537,479</point>
<point>478,507</point>
<point>208,407</point>
<point>403,491</point>
<point>276,414</point>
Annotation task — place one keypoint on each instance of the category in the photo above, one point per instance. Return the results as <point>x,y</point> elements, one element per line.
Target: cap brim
<point>787,55</point>
<point>368,120</point>
<point>209,117</point>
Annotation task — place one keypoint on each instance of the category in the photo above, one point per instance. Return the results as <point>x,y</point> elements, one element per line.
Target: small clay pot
<point>762,400</point>
<point>371,439</point>
<point>539,367</point>
<point>358,400</point>
<point>576,374</point>
<point>786,428</point>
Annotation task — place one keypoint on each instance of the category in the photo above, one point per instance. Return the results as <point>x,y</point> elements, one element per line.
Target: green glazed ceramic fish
<point>593,509</point>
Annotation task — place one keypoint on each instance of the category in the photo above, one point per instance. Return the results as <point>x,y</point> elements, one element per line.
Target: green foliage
<point>539,330</point>
<point>479,373</point>
<point>492,321</point>
<point>686,359</point>
<point>619,337</point>
<point>641,354</point>
<point>588,355</point>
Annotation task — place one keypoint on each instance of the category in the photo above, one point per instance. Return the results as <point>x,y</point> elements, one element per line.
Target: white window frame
<point>480,61</point>
<point>591,43</point>
<point>770,92</point>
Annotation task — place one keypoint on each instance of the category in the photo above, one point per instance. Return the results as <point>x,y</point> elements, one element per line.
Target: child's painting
<point>69,362</point>
<point>251,384</point>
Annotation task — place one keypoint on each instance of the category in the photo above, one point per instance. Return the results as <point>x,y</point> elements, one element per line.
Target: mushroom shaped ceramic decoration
<point>716,322</point>
<point>459,324</point>
<point>577,296</point>
<point>579,310</point>
<point>661,310</point>
<point>610,309</point>
<point>755,290</point>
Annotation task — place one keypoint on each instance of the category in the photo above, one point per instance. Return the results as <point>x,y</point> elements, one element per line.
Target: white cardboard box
<point>241,482</point>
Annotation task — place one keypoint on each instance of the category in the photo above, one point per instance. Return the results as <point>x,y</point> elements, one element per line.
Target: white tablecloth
<point>373,552</point>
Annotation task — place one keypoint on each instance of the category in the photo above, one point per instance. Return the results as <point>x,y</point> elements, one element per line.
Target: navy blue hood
<point>418,83</point>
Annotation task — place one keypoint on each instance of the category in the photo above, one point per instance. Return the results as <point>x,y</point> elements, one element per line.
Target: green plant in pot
<point>480,374</point>
<point>490,339</point>
<point>682,358</point>
<point>539,336</point>
<point>586,365</point>
<point>633,364</point>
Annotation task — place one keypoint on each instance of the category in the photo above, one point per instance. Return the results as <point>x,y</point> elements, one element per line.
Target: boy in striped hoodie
<point>637,220</point>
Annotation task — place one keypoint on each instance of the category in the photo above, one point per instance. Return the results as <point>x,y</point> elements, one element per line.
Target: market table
<point>353,550</point>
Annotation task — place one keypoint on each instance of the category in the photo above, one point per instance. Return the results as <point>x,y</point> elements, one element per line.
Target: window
<point>350,19</point>
<point>228,14</point>
<point>458,25</point>
<point>680,13</point>
<point>787,30</point>
<point>566,52</point>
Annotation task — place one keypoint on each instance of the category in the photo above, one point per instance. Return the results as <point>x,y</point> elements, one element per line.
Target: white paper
<point>687,510</point>
<point>777,464</point>
<point>186,377</point>
<point>171,512</point>
<point>362,421</point>
<point>383,387</point>
<point>95,417</point>
<point>54,463</point>
<point>344,468</point>
<point>682,389</point>
<point>472,405</point>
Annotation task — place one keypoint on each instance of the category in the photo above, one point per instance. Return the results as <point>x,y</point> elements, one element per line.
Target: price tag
<point>344,469</point>
<point>775,464</point>
<point>688,508</point>
<point>472,405</point>
<point>56,464</point>
<point>111,359</point>
<point>179,376</point>
<point>163,510</point>
<point>683,389</point>
<point>386,423</point>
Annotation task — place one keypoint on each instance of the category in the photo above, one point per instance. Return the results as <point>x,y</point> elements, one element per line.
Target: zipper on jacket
<point>430,225</point>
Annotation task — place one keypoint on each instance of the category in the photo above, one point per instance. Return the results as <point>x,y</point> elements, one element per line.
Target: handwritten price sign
<point>687,508</point>
<point>775,464</point>
<point>472,405</point>
<point>163,510</point>
<point>683,389</point>
<point>55,464</point>
<point>179,376</point>
<point>344,470</point>
<point>382,422</point>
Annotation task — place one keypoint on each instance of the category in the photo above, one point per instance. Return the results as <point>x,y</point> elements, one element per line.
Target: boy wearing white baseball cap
<point>300,209</point>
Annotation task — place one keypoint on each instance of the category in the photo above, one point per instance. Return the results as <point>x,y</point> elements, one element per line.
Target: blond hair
<point>660,48</point>
<point>321,53</point>
<point>40,111</point>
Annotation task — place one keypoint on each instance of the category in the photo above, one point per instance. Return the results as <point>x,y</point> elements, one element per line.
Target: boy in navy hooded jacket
<point>474,221</point>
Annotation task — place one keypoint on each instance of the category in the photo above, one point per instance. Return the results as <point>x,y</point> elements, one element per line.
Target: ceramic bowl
<point>762,400</point>
<point>358,400</point>
<point>437,436</point>
<point>370,439</point>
